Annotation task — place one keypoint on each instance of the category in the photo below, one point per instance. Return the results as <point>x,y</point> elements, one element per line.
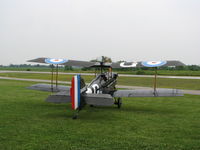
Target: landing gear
<point>118,102</point>
<point>75,116</point>
<point>82,104</point>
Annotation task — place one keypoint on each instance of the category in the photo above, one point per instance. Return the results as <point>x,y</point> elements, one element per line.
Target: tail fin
<point>75,92</point>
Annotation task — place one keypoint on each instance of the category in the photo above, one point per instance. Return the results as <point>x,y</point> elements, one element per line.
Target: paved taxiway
<point>121,75</point>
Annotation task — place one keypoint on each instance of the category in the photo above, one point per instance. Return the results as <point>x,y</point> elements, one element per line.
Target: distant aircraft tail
<point>75,92</point>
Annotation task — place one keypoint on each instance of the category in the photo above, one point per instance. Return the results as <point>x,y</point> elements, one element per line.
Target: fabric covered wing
<point>60,97</point>
<point>148,93</point>
<point>90,99</point>
<point>124,64</point>
<point>147,64</point>
<point>47,87</point>
<point>66,63</point>
<point>168,63</point>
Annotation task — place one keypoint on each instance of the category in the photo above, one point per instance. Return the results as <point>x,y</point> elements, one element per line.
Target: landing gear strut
<point>75,116</point>
<point>118,102</point>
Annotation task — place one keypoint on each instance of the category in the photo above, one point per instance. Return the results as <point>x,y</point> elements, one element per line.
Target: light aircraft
<point>101,91</point>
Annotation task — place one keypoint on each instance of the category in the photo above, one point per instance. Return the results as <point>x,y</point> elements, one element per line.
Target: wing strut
<point>56,76</point>
<point>52,77</point>
<point>155,80</point>
<point>52,70</point>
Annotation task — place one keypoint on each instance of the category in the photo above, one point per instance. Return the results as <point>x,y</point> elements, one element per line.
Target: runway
<point>91,74</point>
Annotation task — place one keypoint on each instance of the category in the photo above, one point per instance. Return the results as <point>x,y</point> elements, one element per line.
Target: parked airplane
<point>101,91</point>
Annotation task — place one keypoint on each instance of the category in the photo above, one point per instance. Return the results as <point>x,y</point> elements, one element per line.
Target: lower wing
<point>49,87</point>
<point>107,99</point>
<point>148,93</point>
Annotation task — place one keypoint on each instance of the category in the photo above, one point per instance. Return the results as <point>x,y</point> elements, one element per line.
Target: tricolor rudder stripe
<point>75,92</point>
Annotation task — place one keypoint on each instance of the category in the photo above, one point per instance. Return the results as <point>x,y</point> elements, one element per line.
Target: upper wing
<point>124,64</point>
<point>147,64</point>
<point>65,62</point>
<point>148,93</point>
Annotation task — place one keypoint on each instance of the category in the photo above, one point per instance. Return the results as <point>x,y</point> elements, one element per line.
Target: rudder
<point>75,92</point>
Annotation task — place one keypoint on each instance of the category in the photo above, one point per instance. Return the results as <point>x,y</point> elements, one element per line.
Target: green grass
<point>131,81</point>
<point>27,122</point>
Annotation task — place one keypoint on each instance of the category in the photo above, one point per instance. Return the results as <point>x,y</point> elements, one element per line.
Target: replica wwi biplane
<point>101,91</point>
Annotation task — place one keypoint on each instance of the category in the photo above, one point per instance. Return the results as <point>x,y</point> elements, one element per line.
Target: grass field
<point>131,81</point>
<point>27,122</point>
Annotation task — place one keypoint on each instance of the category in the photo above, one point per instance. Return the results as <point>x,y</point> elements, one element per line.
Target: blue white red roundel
<point>55,61</point>
<point>153,63</point>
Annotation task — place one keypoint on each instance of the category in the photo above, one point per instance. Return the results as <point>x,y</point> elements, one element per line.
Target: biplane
<point>101,91</point>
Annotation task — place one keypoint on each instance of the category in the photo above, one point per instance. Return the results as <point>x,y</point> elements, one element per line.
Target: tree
<point>68,68</point>
<point>194,67</point>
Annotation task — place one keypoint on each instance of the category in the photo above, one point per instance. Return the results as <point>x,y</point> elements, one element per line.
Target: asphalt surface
<point>121,75</point>
<point>193,92</point>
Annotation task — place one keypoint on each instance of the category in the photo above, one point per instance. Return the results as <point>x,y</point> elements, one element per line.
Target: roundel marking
<point>133,64</point>
<point>55,61</point>
<point>153,63</point>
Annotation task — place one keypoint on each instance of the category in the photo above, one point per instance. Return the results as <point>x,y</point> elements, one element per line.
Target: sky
<point>130,30</point>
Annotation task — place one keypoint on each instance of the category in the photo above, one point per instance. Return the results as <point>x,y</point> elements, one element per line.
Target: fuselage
<point>103,83</point>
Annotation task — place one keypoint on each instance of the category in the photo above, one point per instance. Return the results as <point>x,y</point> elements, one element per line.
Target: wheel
<point>118,102</point>
<point>75,117</point>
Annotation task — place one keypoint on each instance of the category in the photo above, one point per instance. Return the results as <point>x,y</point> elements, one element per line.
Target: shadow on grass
<point>134,109</point>
<point>64,111</point>
<point>149,110</point>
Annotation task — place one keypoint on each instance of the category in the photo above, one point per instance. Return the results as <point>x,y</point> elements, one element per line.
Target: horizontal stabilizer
<point>47,87</point>
<point>91,99</point>
<point>99,99</point>
<point>148,93</point>
<point>60,97</point>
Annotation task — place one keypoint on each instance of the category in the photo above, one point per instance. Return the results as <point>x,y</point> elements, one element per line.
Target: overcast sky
<point>131,30</point>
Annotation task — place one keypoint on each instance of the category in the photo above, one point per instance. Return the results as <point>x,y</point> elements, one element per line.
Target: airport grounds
<point>28,122</point>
